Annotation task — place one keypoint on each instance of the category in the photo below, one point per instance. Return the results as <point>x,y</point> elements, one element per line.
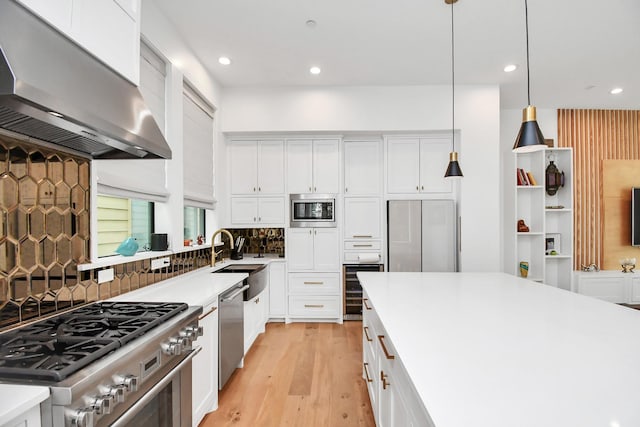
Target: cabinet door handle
<point>254,219</point>
<point>417,187</point>
<point>315,231</point>
<point>384,348</point>
<point>314,283</point>
<point>366,334</point>
<point>423,187</point>
<point>259,218</point>
<point>310,231</point>
<point>259,189</point>
<point>362,246</point>
<point>362,236</point>
<point>383,378</point>
<point>364,302</point>
<point>257,300</point>
<point>366,373</point>
<point>254,189</point>
<point>315,189</point>
<point>346,190</point>
<point>314,305</point>
<point>309,189</point>
<point>207,313</point>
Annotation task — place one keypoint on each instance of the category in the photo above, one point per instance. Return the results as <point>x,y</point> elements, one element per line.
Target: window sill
<point>109,261</point>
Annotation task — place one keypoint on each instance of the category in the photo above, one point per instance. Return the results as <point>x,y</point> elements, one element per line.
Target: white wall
<point>397,109</point>
<point>510,121</point>
<point>162,36</point>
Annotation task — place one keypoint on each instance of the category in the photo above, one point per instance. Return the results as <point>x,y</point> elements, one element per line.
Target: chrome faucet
<point>214,254</point>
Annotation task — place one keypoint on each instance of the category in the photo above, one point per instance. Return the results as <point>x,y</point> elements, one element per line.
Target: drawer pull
<point>257,300</point>
<point>383,378</point>
<point>207,313</point>
<point>364,302</point>
<point>366,373</point>
<point>314,305</point>
<point>314,283</point>
<point>384,348</point>
<point>362,236</point>
<point>362,246</point>
<point>366,334</point>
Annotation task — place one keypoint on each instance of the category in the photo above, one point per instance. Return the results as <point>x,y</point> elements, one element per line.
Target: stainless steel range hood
<point>53,90</point>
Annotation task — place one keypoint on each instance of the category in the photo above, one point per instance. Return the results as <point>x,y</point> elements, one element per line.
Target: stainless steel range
<point>108,363</point>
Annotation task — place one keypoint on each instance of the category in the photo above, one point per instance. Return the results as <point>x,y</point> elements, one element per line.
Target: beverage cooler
<point>352,299</point>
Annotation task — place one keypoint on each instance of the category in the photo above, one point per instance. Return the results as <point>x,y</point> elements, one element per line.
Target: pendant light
<point>530,137</point>
<point>453,169</point>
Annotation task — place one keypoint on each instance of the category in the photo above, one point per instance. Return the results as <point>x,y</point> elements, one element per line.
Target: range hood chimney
<point>54,91</point>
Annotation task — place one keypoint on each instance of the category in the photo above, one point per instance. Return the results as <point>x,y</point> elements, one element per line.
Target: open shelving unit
<point>549,218</point>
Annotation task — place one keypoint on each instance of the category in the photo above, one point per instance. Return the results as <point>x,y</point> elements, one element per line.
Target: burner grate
<point>54,348</point>
<point>46,358</point>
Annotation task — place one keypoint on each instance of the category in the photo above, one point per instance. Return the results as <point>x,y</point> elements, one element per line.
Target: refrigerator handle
<point>459,234</point>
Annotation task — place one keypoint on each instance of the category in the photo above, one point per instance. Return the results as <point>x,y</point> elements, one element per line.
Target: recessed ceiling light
<point>311,23</point>
<point>224,60</point>
<point>314,70</point>
<point>55,113</point>
<point>616,90</point>
<point>509,68</point>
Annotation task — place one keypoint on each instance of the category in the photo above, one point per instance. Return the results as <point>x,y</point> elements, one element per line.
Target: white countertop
<point>16,399</point>
<point>491,349</point>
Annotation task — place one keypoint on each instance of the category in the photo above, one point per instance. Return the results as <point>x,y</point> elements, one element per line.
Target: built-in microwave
<point>313,210</point>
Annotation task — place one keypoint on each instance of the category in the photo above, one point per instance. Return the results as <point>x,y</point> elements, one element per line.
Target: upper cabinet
<point>362,168</point>
<point>417,165</point>
<point>313,166</point>
<point>257,167</point>
<point>108,29</point>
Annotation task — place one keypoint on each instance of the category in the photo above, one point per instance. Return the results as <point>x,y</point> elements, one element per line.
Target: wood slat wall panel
<point>595,135</point>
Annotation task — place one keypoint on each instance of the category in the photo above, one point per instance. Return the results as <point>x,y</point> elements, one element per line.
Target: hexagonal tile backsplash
<point>44,235</point>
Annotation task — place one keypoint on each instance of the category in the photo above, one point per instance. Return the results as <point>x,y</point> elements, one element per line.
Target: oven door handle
<point>235,294</point>
<point>151,394</point>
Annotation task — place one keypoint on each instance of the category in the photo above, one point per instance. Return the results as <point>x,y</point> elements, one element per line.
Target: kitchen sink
<point>257,280</point>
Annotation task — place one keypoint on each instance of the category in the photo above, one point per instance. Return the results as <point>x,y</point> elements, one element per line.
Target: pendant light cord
<point>526,20</point>
<point>453,87</point>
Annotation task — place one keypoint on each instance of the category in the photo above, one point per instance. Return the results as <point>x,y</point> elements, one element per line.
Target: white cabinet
<point>106,28</point>
<point>277,290</point>
<point>362,218</point>
<point>205,366</point>
<point>29,418</point>
<point>255,316</point>
<point>549,218</point>
<point>613,286</point>
<point>393,398</point>
<point>417,165</point>
<point>314,295</point>
<point>257,211</point>
<point>362,168</point>
<point>313,166</point>
<point>257,167</point>
<point>313,249</point>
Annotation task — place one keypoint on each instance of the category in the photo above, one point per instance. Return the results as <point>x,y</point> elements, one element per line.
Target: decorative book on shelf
<point>525,178</point>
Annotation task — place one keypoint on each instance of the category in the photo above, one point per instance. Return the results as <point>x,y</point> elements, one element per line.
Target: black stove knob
<point>82,417</point>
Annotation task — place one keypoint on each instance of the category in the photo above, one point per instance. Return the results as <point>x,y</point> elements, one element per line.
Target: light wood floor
<point>300,374</point>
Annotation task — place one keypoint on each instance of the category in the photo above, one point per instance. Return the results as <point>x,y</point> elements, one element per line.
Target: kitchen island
<point>491,349</point>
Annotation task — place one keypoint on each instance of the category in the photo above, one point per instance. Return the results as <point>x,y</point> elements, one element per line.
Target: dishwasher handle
<point>226,298</point>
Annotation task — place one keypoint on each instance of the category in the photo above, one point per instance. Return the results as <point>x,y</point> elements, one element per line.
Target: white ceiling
<point>579,49</point>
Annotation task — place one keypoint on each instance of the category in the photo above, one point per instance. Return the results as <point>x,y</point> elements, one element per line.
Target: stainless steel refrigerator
<point>422,235</point>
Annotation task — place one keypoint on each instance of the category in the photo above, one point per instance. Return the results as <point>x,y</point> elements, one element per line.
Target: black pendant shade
<point>530,137</point>
<point>453,170</point>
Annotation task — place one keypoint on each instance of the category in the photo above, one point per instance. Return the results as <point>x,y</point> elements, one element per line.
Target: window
<point>193,223</point>
<point>120,218</point>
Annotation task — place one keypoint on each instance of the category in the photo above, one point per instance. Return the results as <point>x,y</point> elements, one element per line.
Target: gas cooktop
<point>54,348</point>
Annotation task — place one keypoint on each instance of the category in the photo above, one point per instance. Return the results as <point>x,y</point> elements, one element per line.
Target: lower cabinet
<point>612,286</point>
<point>29,418</point>
<point>255,317</point>
<point>393,398</point>
<point>277,290</point>
<point>205,366</point>
<point>315,295</point>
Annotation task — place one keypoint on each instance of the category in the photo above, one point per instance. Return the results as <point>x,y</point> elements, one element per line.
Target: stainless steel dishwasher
<point>231,332</point>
